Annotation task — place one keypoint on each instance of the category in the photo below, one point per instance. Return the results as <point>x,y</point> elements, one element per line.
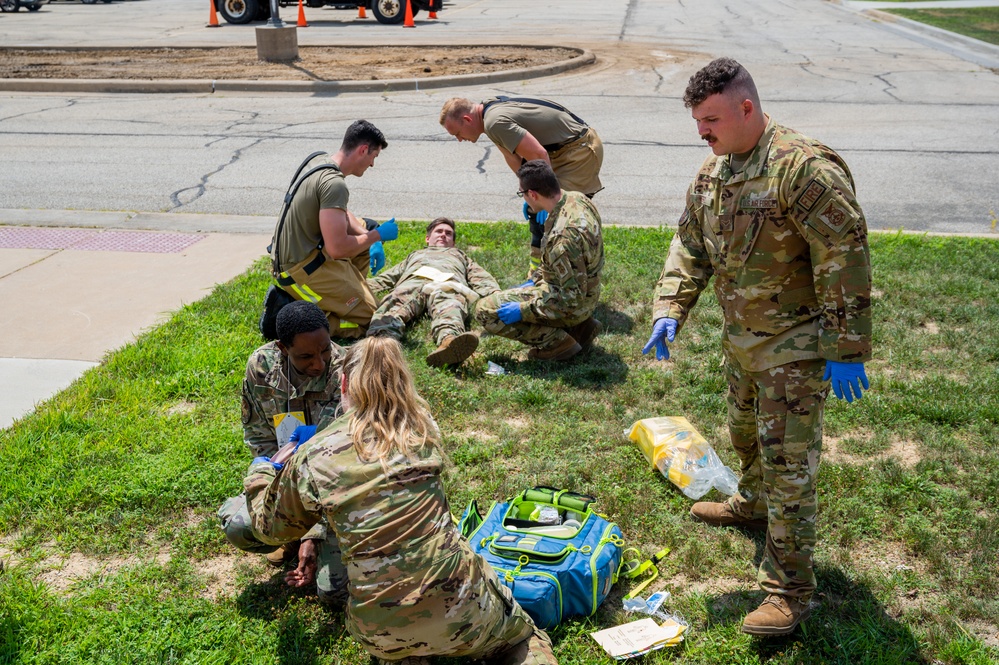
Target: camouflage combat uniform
<point>786,242</point>
<point>566,285</point>
<point>448,310</point>
<point>416,588</point>
<point>271,387</point>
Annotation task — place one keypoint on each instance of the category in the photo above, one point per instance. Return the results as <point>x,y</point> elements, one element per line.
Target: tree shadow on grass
<point>305,626</point>
<point>848,625</point>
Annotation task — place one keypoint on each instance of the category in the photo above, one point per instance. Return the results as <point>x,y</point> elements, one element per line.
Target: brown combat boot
<point>720,514</point>
<point>585,332</point>
<point>282,555</point>
<point>777,615</point>
<point>564,350</point>
<point>454,350</point>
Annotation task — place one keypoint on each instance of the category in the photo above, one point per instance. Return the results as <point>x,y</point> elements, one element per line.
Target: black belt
<point>312,266</point>
<point>555,147</point>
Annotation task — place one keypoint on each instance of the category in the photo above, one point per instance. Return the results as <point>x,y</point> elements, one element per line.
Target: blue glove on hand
<point>509,312</point>
<point>388,230</point>
<point>540,217</point>
<point>277,465</point>
<point>846,379</point>
<point>526,284</point>
<point>302,434</point>
<point>377,253</point>
<point>664,330</point>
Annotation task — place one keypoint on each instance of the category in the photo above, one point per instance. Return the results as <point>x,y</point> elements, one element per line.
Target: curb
<point>264,224</point>
<point>200,86</point>
<point>966,48</point>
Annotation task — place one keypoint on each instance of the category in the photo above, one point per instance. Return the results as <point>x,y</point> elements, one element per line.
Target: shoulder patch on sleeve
<point>562,267</point>
<point>247,411</point>
<point>836,217</point>
<point>811,195</point>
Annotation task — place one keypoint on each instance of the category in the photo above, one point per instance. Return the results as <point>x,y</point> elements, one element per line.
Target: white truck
<point>385,11</point>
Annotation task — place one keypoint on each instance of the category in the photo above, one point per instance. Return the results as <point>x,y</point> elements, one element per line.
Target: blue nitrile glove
<point>377,253</point>
<point>388,230</point>
<point>540,217</point>
<point>664,330</point>
<point>846,379</point>
<point>526,284</point>
<point>302,434</point>
<point>276,465</point>
<point>509,313</point>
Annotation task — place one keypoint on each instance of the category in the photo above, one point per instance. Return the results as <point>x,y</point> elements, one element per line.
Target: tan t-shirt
<point>507,122</point>
<point>301,234</point>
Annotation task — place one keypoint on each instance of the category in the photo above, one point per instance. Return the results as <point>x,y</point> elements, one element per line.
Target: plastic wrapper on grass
<point>673,446</point>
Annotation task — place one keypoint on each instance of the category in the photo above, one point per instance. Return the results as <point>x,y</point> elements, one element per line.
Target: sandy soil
<point>315,63</point>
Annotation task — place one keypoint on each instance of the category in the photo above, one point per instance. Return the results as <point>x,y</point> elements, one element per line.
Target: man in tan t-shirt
<point>320,250</point>
<point>526,128</point>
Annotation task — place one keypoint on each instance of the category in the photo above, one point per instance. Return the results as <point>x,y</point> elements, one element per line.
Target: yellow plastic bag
<point>672,445</point>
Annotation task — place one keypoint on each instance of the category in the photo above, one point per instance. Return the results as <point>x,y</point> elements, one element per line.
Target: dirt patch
<point>315,63</point>
<point>903,451</point>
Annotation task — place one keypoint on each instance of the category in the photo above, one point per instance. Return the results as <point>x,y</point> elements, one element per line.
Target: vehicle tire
<point>238,11</point>
<point>33,8</point>
<point>8,6</point>
<point>89,2</point>
<point>390,12</point>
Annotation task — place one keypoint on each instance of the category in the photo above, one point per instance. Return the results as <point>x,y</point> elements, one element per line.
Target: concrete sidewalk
<point>78,285</point>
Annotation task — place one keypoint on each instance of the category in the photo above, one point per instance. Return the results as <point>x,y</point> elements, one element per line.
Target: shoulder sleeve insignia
<point>835,216</point>
<point>247,410</point>
<point>811,195</point>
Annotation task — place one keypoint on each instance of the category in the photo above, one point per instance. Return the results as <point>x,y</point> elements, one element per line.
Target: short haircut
<point>297,317</point>
<point>455,107</point>
<point>537,174</point>
<point>721,75</point>
<point>439,221</point>
<point>362,132</point>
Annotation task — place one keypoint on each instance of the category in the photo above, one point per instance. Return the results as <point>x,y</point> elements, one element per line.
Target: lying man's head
<point>440,233</point>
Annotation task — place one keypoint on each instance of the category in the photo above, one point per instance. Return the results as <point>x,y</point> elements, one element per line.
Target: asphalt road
<point>917,125</point>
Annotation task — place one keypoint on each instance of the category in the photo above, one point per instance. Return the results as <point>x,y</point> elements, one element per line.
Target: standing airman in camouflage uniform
<point>440,280</point>
<point>299,374</point>
<point>554,312</point>
<point>416,588</point>
<point>773,217</point>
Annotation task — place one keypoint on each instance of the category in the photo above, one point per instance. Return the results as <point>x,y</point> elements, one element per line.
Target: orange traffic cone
<point>408,23</point>
<point>360,11</point>
<point>302,23</point>
<point>213,18</point>
<point>433,14</point>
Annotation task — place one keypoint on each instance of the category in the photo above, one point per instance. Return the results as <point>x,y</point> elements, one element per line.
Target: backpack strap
<point>538,102</point>
<point>542,102</point>
<point>293,186</point>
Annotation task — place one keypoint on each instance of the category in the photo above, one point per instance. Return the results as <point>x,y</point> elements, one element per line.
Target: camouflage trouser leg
<point>400,307</point>
<point>331,575</point>
<point>775,419</point>
<point>532,334</point>
<point>448,315</point>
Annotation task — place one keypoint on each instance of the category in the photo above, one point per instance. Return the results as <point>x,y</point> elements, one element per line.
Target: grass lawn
<point>108,498</point>
<point>978,22</point>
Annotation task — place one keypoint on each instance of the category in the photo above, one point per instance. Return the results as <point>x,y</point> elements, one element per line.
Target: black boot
<point>275,299</point>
